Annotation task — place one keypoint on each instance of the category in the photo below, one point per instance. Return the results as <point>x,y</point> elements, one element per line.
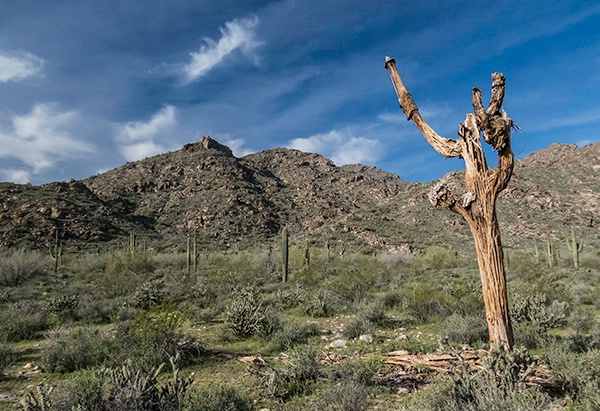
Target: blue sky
<point>86,86</point>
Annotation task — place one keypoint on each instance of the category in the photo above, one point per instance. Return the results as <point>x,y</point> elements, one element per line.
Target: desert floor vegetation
<point>133,330</point>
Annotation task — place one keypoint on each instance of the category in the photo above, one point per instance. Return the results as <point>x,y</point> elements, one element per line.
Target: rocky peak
<point>207,143</point>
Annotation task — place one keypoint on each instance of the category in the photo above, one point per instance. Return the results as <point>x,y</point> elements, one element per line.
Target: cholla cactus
<point>32,403</point>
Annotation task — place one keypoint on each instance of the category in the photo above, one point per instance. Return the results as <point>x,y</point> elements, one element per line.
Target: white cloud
<point>583,143</point>
<point>237,145</point>
<point>341,147</point>
<point>395,118</point>
<point>138,130</point>
<point>16,176</point>
<point>40,139</point>
<point>137,137</point>
<point>18,66</point>
<point>139,151</point>
<point>236,35</point>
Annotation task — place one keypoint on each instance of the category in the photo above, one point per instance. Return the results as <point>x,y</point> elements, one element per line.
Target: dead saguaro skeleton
<point>483,184</point>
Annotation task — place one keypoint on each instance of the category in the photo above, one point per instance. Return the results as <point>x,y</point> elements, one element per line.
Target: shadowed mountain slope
<point>203,187</point>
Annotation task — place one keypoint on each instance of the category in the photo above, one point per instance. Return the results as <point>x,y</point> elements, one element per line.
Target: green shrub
<point>99,310</point>
<point>347,396</point>
<point>154,336</point>
<point>374,314</point>
<point>361,372</point>
<point>85,262</point>
<point>247,314</point>
<point>18,266</point>
<point>425,302</point>
<point>356,327</point>
<point>529,335</point>
<point>172,260</point>
<point>22,320</point>
<point>540,311</point>
<point>62,308</point>
<point>465,329</point>
<point>122,388</point>
<point>436,258</point>
<point>292,334</point>
<point>7,357</point>
<point>349,388</point>
<point>217,396</point>
<point>323,303</point>
<point>132,389</point>
<point>298,374</point>
<point>148,294</point>
<point>463,295</point>
<point>581,373</point>
<point>290,296</point>
<point>392,299</point>
<point>416,345</point>
<point>352,286</point>
<point>84,389</point>
<point>5,295</point>
<point>74,349</point>
<point>130,263</point>
<point>267,262</point>
<point>202,315</point>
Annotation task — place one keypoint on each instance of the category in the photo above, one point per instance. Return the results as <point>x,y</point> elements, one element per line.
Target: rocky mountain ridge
<point>203,187</point>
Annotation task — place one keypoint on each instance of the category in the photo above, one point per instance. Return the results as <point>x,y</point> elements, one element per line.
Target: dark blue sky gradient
<point>86,86</point>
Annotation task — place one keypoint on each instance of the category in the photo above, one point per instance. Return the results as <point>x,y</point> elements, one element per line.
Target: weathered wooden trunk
<point>483,184</point>
<point>493,280</point>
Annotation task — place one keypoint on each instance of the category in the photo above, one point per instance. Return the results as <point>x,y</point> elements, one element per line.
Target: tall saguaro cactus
<point>192,253</point>
<point>132,244</point>
<point>483,184</point>
<point>284,255</point>
<point>575,247</point>
<point>550,252</point>
<point>57,254</point>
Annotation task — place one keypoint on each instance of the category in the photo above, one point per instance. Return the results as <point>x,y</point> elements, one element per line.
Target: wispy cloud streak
<point>18,66</point>
<point>136,138</point>
<point>236,35</point>
<point>40,139</point>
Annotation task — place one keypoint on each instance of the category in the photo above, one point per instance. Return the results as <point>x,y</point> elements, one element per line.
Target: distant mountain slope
<point>550,191</point>
<point>203,187</point>
<point>29,215</point>
<point>553,189</point>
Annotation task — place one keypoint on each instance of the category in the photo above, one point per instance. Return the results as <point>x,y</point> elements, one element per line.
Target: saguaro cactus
<point>550,252</point>
<point>575,247</point>
<point>132,244</point>
<point>536,252</point>
<point>57,254</point>
<point>307,254</point>
<point>192,253</point>
<point>284,255</point>
<point>478,204</point>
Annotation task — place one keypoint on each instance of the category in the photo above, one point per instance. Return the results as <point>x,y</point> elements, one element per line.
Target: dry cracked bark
<point>483,184</point>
